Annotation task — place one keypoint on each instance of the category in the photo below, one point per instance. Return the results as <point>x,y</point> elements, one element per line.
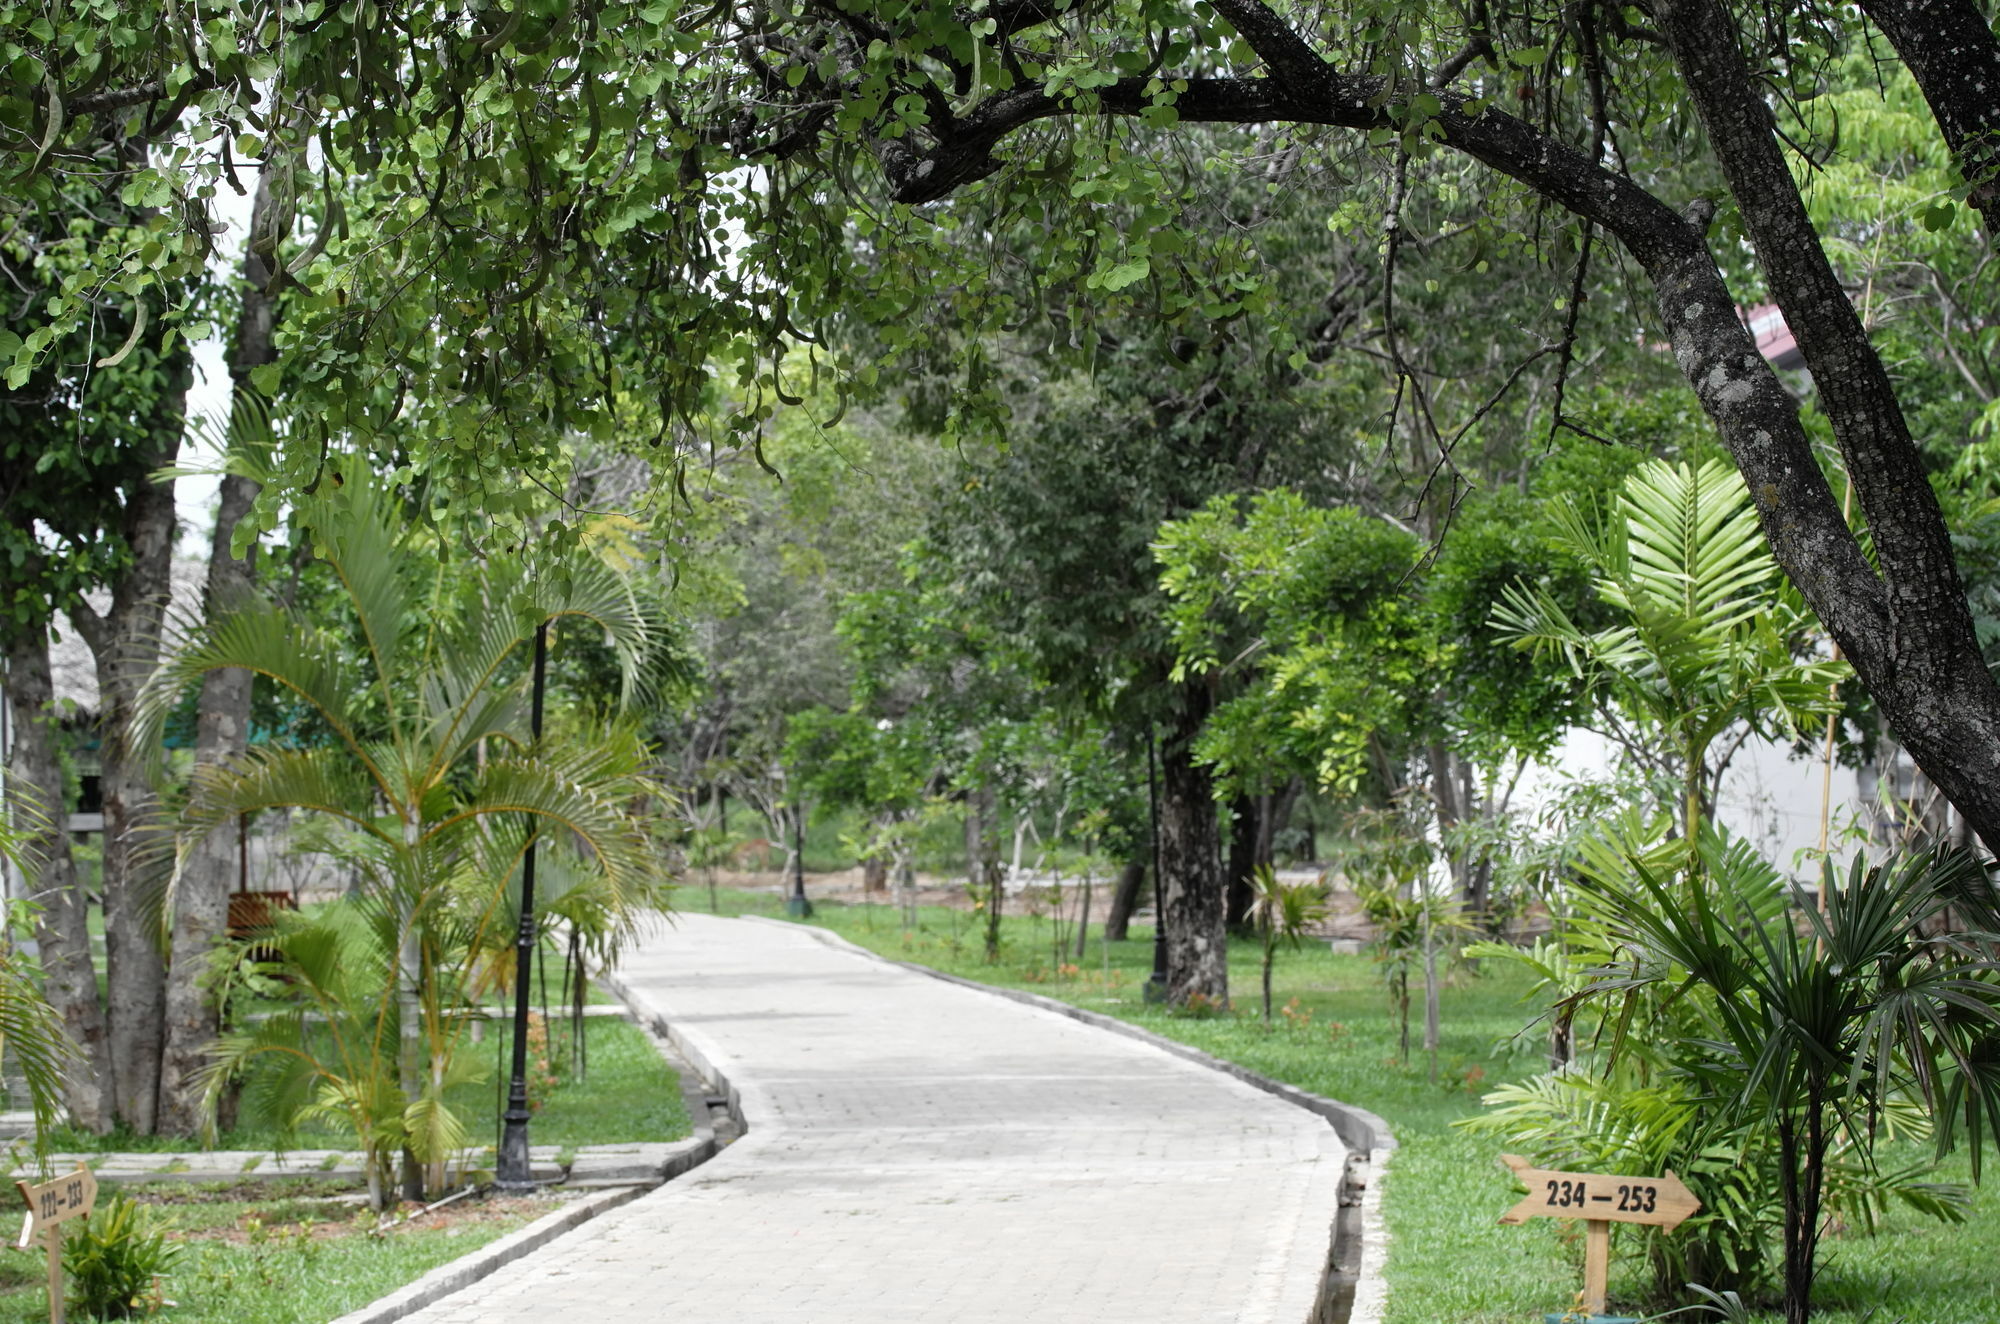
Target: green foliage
<point>1282,914</point>
<point>1758,1050</point>
<point>1706,634</point>
<point>1621,1123</point>
<point>79,434</point>
<point>429,783</point>
<point>115,1258</point>
<point>331,1052</point>
<point>1413,925</point>
<point>33,1042</point>
<point>1343,653</point>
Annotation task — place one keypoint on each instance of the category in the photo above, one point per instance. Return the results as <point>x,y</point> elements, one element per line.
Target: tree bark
<point>201,894</point>
<point>1245,817</point>
<point>222,730</point>
<point>35,799</point>
<point>1191,864</point>
<point>1125,899</point>
<point>125,641</point>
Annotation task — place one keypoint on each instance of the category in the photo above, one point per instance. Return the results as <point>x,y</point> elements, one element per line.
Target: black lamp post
<point>1156,983</point>
<point>797,906</point>
<point>513,1171</point>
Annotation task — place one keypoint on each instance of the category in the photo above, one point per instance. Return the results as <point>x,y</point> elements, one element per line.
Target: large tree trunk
<point>1191,864</point>
<point>1125,899</point>
<point>222,733</point>
<point>126,642</point>
<point>201,895</point>
<point>35,799</point>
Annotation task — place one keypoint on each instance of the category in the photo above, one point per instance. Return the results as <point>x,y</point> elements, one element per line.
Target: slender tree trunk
<point>1125,899</point>
<point>1802,1160</point>
<point>35,799</point>
<point>1399,997</point>
<point>201,896</point>
<point>1245,817</point>
<point>1083,919</point>
<point>1191,865</point>
<point>1431,1000</point>
<point>1274,812</point>
<point>988,871</point>
<point>409,1008</point>
<point>222,729</point>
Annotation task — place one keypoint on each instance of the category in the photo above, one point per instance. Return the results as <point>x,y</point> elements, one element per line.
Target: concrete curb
<point>1353,1291</point>
<point>461,1273</point>
<point>691,1153</point>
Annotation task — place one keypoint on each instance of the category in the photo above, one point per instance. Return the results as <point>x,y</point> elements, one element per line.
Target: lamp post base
<point>513,1174</point>
<point>798,907</point>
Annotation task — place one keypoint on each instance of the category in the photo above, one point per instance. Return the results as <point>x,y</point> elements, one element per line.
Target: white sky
<point>194,498</point>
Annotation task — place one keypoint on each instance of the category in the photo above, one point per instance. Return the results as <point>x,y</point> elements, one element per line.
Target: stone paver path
<point>923,1151</point>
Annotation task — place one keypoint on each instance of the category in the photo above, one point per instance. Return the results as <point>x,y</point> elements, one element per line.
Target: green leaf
<point>1124,274</point>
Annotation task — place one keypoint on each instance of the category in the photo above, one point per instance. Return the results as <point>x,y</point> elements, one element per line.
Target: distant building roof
<point>73,669</point>
<point>1774,339</point>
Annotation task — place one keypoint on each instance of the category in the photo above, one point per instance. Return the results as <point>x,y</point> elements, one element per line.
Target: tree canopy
<point>502,224</point>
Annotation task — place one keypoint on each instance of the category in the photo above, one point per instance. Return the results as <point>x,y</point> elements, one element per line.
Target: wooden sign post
<point>50,1204</point>
<point>1600,1201</point>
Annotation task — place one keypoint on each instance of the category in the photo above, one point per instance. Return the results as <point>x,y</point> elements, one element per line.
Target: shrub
<point>115,1259</point>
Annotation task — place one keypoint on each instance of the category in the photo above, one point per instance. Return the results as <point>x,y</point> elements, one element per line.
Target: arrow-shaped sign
<point>51,1204</point>
<point>1659,1201</point>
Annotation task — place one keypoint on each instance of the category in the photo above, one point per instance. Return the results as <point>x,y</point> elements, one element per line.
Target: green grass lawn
<point>290,1255</point>
<point>282,1252</point>
<point>1449,1260</point>
<point>627,1093</point>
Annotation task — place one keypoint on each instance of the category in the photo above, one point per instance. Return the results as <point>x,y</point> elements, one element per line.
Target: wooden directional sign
<point>50,1204</point>
<point>1661,1202</point>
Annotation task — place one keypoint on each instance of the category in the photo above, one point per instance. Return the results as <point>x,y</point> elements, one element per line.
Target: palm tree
<point>426,766</point>
<point>1282,912</point>
<point>1813,1029</point>
<point>30,1029</point>
<point>1708,635</point>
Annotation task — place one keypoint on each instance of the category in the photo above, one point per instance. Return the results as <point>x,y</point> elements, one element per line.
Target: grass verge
<point>290,1252</point>
<point>1449,1260</point>
<point>627,1093</point>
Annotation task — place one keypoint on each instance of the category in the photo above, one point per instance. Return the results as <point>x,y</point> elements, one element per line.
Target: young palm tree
<point>1282,913</point>
<point>425,674</point>
<point>1708,634</point>
<point>1814,1029</point>
<point>30,1029</point>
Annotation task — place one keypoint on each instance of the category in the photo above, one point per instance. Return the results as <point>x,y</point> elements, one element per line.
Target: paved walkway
<point>918,1151</point>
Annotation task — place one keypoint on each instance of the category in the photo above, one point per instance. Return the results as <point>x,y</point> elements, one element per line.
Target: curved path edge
<point>689,1154</point>
<point>1353,1291</point>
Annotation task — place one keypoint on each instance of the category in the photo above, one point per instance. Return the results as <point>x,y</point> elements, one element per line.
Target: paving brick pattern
<point>921,1151</point>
